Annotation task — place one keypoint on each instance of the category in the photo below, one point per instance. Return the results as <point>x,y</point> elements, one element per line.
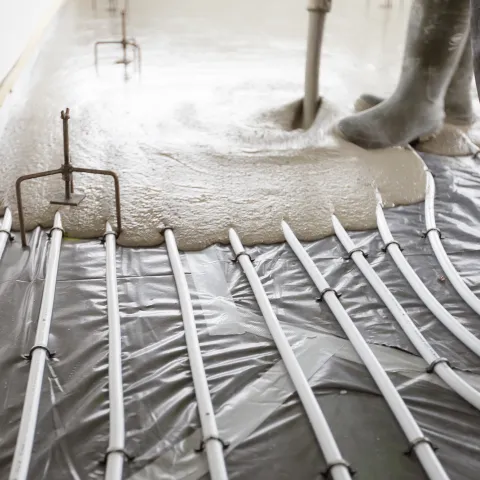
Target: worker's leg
<point>458,99</point>
<point>475,36</point>
<point>436,35</point>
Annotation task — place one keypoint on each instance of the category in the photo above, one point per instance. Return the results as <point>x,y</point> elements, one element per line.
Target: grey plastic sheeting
<point>257,410</point>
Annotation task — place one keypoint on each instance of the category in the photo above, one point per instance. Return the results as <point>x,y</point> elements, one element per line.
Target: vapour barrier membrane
<point>257,410</point>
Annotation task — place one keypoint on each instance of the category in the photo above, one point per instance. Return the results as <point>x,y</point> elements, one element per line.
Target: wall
<point>21,22</point>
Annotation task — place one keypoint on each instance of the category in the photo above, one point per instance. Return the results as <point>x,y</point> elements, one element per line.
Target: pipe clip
<point>201,448</point>
<point>28,356</point>
<point>105,235</point>
<point>323,6</point>
<point>431,367</point>
<point>327,473</point>
<point>433,229</point>
<point>418,441</point>
<point>324,291</point>
<point>10,236</point>
<point>393,242</point>
<point>49,234</point>
<point>128,457</point>
<point>353,250</point>
<point>239,254</point>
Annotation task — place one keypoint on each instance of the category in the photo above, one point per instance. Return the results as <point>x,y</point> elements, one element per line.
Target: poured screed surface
<point>200,141</point>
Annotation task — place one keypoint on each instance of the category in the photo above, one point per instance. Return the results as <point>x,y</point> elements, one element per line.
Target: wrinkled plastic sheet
<point>257,410</point>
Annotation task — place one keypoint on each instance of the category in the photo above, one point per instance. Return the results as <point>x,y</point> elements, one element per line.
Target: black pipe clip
<point>10,236</point>
<point>353,250</point>
<point>324,291</point>
<point>327,473</point>
<point>49,234</point>
<point>418,441</point>
<point>201,448</point>
<point>239,254</point>
<point>431,367</point>
<point>28,356</point>
<point>104,236</point>
<point>433,229</point>
<point>128,457</point>
<point>392,242</point>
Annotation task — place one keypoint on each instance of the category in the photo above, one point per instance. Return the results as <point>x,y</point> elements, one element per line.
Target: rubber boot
<point>436,35</point>
<point>475,37</point>
<point>458,99</point>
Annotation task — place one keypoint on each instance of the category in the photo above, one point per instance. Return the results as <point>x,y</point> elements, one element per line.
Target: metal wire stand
<point>66,170</point>
<point>125,43</point>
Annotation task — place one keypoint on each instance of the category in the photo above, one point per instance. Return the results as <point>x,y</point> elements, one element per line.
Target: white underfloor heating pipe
<point>448,320</point>
<point>434,238</point>
<point>339,468</point>
<point>5,234</point>
<point>417,440</point>
<point>115,455</point>
<point>38,355</point>
<point>435,363</point>
<point>212,443</point>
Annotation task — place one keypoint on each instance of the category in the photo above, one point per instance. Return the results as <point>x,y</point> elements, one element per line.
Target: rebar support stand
<point>317,10</point>
<point>66,170</point>
<point>112,5</point>
<point>125,42</point>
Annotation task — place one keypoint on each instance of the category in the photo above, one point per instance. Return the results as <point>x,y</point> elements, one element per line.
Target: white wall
<point>19,19</point>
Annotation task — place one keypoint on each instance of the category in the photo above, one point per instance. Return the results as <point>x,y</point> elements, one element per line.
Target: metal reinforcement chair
<point>125,42</point>
<point>69,197</point>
